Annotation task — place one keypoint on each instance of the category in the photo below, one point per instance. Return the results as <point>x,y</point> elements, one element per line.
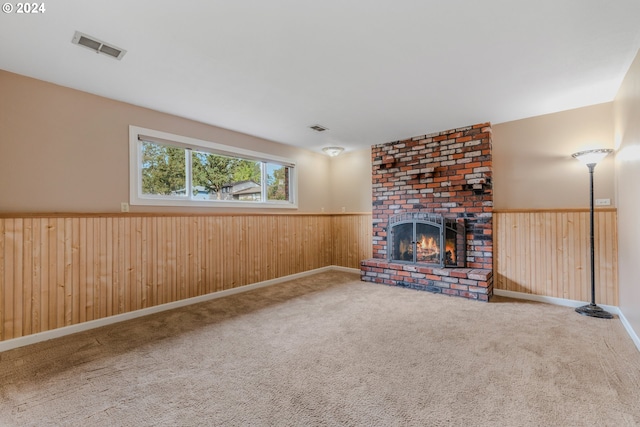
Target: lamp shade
<point>592,157</point>
<point>333,151</point>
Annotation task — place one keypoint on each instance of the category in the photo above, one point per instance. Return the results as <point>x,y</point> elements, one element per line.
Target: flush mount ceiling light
<point>333,151</point>
<point>97,46</point>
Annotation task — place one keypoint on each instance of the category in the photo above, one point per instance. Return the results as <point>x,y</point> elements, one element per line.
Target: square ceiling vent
<point>318,128</point>
<point>98,46</point>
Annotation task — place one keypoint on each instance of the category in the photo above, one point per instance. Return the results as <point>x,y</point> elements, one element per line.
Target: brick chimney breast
<point>447,173</point>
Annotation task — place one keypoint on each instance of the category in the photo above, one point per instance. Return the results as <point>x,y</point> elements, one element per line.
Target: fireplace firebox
<point>427,238</point>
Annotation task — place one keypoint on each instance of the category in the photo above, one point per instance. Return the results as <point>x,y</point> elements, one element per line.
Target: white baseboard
<point>92,324</point>
<point>630,331</point>
<point>345,269</point>
<point>572,303</point>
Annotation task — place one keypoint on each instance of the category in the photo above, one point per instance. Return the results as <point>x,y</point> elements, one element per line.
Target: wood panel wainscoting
<point>64,269</point>
<point>547,253</point>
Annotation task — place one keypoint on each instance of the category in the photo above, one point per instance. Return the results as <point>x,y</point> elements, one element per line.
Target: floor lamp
<point>591,159</point>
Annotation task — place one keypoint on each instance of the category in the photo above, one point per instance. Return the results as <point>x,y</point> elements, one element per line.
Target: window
<point>172,170</point>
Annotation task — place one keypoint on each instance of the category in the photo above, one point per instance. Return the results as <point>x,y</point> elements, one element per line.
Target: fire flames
<point>450,251</point>
<point>429,250</point>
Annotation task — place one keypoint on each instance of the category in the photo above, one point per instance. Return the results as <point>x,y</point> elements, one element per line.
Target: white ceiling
<point>371,71</point>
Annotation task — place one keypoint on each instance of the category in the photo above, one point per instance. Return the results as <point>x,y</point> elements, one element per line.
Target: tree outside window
<point>172,171</point>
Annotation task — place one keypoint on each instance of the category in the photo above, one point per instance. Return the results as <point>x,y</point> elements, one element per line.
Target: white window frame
<point>139,134</point>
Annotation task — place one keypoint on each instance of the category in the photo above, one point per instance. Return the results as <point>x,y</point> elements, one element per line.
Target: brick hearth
<point>447,173</point>
<point>464,282</point>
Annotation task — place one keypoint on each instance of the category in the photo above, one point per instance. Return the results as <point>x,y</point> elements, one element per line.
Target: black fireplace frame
<point>446,227</point>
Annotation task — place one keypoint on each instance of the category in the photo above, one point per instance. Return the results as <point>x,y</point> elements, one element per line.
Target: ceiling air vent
<point>97,46</point>
<point>318,128</point>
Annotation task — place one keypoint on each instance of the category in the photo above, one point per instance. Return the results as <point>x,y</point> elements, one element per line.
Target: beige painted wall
<point>350,181</point>
<point>532,163</point>
<point>627,136</point>
<point>62,150</point>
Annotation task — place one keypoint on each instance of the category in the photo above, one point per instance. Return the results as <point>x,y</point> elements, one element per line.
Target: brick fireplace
<point>444,174</point>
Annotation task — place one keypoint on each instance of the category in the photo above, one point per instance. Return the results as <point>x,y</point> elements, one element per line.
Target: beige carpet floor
<point>329,350</point>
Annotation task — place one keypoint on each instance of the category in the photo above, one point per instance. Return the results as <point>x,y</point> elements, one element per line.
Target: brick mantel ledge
<point>472,283</point>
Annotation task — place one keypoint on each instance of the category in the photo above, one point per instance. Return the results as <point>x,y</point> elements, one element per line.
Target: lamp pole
<point>591,158</point>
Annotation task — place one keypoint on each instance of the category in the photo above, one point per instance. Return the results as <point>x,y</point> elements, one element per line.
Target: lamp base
<point>593,310</point>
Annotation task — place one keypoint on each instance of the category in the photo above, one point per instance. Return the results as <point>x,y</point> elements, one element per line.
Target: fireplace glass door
<point>426,238</point>
<point>402,242</point>
<point>416,242</point>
